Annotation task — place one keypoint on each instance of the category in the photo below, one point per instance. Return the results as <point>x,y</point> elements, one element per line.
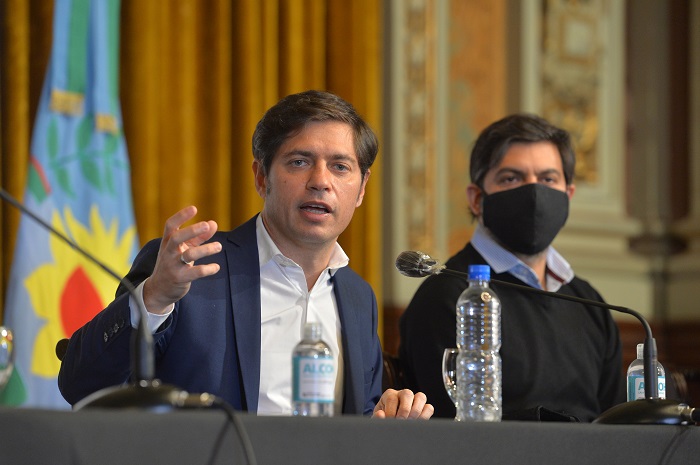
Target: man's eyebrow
<point>507,170</point>
<point>304,153</point>
<point>345,156</point>
<point>550,171</point>
<point>335,157</point>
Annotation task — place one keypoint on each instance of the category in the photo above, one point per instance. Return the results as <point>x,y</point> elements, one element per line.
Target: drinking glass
<point>7,356</point>
<point>449,372</point>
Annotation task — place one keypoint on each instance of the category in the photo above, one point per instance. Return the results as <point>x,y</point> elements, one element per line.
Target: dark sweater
<point>557,354</point>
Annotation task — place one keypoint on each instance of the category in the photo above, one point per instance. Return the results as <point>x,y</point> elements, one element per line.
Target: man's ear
<point>475,196</point>
<point>570,189</point>
<point>361,194</point>
<point>260,178</point>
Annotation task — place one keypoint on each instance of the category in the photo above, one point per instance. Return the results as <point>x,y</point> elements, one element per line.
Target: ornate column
<point>446,79</point>
<point>574,75</point>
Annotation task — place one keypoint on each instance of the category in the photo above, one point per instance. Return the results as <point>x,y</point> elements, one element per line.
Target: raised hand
<point>176,265</point>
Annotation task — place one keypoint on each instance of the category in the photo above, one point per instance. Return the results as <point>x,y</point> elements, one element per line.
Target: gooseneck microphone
<point>145,392</point>
<point>650,410</point>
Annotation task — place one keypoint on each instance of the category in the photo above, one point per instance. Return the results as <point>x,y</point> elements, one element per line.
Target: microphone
<point>650,410</point>
<point>145,391</point>
<point>62,348</point>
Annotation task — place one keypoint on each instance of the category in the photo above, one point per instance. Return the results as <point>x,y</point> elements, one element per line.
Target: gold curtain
<point>196,76</point>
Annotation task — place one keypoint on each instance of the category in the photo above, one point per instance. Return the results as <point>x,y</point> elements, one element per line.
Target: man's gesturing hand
<point>175,268</point>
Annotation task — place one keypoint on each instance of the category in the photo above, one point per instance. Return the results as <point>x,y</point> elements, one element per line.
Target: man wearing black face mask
<point>561,360</point>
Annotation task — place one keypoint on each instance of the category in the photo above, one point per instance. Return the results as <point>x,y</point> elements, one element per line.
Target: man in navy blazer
<point>205,291</point>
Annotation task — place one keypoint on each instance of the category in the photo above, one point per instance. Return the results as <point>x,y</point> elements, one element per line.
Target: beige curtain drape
<point>196,75</point>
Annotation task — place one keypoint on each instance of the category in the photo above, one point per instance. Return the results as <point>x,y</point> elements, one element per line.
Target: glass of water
<point>449,372</point>
<point>7,356</point>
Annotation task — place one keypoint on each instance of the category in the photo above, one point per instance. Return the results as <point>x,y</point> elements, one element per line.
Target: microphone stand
<point>145,392</point>
<point>650,410</point>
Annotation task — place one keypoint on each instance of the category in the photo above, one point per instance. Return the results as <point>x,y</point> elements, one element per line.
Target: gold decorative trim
<point>67,102</point>
<point>419,146</point>
<point>106,123</point>
<point>572,74</point>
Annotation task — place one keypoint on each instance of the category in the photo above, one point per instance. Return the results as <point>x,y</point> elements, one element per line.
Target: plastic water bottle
<point>479,341</point>
<point>314,374</point>
<point>635,376</point>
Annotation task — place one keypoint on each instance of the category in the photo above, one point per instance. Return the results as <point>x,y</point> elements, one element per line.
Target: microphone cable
<point>207,401</point>
<point>238,428</point>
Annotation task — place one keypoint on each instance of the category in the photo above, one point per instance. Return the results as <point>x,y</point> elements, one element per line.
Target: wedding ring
<point>182,259</point>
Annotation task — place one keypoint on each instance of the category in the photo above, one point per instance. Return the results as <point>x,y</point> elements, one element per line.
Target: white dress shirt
<point>286,306</point>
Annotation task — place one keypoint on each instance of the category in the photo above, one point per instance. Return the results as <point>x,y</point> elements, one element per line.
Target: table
<point>104,437</point>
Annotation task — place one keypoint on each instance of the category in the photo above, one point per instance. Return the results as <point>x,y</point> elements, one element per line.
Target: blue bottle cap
<point>479,272</point>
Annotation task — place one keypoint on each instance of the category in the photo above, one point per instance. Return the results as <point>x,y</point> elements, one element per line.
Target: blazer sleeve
<point>374,390</point>
<point>99,353</point>
<point>362,353</point>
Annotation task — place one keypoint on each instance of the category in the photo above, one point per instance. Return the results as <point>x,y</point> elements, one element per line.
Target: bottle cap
<point>313,331</point>
<point>640,348</point>
<point>479,272</point>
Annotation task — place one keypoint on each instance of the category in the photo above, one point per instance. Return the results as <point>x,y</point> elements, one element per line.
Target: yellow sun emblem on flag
<point>69,291</point>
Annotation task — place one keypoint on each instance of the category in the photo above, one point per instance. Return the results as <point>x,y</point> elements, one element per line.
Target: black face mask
<point>526,219</point>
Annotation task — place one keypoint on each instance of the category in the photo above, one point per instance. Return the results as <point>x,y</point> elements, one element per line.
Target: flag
<point>79,182</point>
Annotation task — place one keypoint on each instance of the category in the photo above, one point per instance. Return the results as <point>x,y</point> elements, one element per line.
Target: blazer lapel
<point>244,279</point>
<point>353,400</point>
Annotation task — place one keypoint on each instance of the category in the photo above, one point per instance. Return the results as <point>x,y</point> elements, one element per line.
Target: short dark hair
<point>494,141</point>
<point>292,113</point>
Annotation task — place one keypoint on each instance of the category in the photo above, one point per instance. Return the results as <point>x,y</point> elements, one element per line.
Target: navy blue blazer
<point>211,341</point>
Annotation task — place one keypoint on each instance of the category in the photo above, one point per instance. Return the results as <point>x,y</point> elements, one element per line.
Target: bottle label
<point>635,387</point>
<point>314,379</point>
